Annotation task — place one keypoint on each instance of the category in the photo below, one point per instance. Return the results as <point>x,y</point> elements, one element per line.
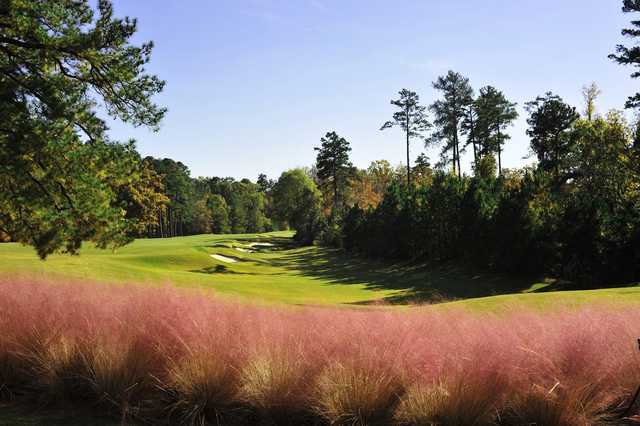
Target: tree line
<point>302,199</point>
<point>205,205</point>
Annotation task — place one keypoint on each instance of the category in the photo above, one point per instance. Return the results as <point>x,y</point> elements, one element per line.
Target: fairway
<point>272,268</point>
<point>267,273</point>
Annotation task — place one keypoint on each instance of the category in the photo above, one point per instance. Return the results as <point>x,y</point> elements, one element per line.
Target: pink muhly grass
<point>356,394</point>
<point>276,383</point>
<point>152,352</point>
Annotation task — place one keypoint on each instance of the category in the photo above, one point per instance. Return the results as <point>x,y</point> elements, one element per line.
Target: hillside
<point>272,268</point>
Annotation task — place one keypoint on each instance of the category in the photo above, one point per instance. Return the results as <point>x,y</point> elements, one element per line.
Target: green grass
<point>273,274</point>
<point>291,274</point>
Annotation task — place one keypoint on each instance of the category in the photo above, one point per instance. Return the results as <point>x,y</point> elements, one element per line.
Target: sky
<point>252,85</point>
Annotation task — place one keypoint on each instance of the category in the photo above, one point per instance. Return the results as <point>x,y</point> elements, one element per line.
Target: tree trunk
<point>456,142</point>
<point>408,164</point>
<point>453,161</point>
<point>475,154</point>
<point>473,139</point>
<point>499,149</point>
<point>335,191</point>
<point>458,156</point>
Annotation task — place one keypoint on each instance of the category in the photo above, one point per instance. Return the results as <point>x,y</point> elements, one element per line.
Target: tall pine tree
<point>550,122</point>
<point>630,55</point>
<point>61,179</point>
<point>494,114</point>
<point>333,167</point>
<point>449,112</point>
<point>412,119</point>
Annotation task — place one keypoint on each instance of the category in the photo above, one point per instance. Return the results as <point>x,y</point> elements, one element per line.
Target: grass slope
<point>290,274</point>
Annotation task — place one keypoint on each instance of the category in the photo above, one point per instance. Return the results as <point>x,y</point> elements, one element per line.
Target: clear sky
<point>252,85</point>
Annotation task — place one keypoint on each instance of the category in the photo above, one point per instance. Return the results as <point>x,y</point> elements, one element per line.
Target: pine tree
<point>494,114</point>
<point>450,111</point>
<point>550,121</point>
<point>630,55</point>
<point>333,166</point>
<point>60,176</point>
<point>412,119</point>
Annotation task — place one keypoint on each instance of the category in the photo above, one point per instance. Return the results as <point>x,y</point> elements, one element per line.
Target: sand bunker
<point>260,245</point>
<point>223,258</point>
<point>244,250</point>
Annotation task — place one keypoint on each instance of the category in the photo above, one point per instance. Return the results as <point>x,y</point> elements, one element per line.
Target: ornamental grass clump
<point>160,354</point>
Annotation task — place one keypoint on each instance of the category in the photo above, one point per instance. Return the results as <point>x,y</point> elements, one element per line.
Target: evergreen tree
<point>468,127</point>
<point>550,122</point>
<point>422,170</point>
<point>412,119</point>
<point>630,55</point>
<point>494,114</point>
<point>265,183</point>
<point>449,112</point>
<point>333,166</point>
<point>59,174</point>
<point>180,190</point>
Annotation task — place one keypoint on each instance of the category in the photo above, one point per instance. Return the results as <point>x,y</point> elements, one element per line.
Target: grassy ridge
<point>290,274</point>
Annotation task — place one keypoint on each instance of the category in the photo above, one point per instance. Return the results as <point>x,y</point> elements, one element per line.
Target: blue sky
<point>252,85</point>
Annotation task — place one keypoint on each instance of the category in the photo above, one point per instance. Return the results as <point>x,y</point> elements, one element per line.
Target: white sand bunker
<point>244,250</point>
<point>223,258</point>
<point>260,245</point>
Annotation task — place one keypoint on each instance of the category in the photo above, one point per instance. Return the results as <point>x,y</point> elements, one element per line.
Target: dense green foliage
<point>206,205</point>
<point>62,181</point>
<point>334,168</point>
<point>550,123</point>
<point>449,112</point>
<point>494,113</point>
<point>297,203</point>
<point>586,230</point>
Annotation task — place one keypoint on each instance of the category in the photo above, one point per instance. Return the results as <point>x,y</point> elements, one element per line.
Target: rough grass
<point>164,354</point>
<point>286,273</point>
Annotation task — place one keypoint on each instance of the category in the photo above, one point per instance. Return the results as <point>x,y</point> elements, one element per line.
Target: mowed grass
<point>272,274</point>
<point>286,273</point>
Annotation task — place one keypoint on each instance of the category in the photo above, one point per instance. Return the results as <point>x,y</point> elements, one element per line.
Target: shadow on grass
<point>561,285</point>
<point>220,269</point>
<point>418,282</point>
